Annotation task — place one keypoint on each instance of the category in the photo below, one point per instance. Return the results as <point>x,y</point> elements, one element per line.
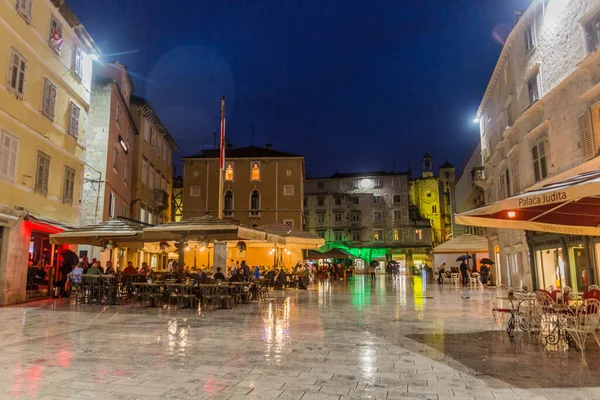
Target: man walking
<point>464,273</point>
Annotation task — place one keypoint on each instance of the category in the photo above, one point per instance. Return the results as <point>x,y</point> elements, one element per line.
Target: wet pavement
<point>349,339</point>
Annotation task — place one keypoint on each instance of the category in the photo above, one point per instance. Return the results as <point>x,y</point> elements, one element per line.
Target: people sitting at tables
<point>145,270</point>
<point>219,275</point>
<point>280,279</point>
<point>109,268</point>
<point>237,275</point>
<point>130,269</point>
<point>94,269</point>
<point>77,272</point>
<point>201,277</point>
<point>100,267</point>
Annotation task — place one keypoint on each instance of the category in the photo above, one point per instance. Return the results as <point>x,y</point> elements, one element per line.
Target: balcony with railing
<point>478,176</point>
<point>161,199</point>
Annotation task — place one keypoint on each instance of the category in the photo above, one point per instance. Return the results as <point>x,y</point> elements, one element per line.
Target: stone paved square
<point>350,339</point>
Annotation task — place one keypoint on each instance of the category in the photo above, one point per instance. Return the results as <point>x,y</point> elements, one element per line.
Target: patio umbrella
<point>486,261</point>
<point>464,257</point>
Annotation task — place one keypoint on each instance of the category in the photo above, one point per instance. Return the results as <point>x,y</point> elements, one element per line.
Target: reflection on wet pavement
<point>403,339</point>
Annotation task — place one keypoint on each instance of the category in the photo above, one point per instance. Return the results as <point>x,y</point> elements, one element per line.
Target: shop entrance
<point>550,266</point>
<point>579,271</point>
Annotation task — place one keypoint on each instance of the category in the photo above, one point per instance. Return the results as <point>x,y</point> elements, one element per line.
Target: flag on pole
<point>222,154</point>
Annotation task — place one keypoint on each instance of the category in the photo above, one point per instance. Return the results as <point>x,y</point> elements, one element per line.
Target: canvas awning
<point>463,244</point>
<point>119,230</point>
<point>202,228</point>
<point>337,253</point>
<point>314,255</point>
<point>569,206</point>
<point>283,234</point>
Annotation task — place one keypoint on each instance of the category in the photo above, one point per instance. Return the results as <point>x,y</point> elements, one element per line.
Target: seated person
<point>130,269</point>
<point>94,270</point>
<point>201,277</point>
<point>219,275</point>
<point>237,275</point>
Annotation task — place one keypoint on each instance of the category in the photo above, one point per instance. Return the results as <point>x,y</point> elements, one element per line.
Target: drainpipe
<point>98,194</point>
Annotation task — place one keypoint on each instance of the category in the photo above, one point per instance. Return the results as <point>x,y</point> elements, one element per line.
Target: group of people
<point>465,272</point>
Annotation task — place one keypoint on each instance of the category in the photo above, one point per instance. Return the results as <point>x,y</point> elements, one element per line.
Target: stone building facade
<point>45,75</point>
<point>369,215</point>
<point>152,165</point>
<point>469,192</point>
<point>539,118</point>
<point>108,157</point>
<point>261,185</point>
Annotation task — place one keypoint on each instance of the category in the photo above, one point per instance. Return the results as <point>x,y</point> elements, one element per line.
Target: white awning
<point>463,244</point>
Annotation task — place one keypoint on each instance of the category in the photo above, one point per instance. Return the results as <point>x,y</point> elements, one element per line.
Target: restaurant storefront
<point>561,220</point>
<point>564,260</point>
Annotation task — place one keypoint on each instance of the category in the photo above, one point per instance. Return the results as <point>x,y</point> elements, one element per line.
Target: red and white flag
<point>222,154</point>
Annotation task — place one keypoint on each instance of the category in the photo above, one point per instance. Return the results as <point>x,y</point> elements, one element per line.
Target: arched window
<point>255,172</point>
<point>228,203</point>
<point>229,172</point>
<point>255,203</point>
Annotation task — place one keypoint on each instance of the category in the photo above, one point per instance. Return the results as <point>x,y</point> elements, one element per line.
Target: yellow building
<point>433,197</point>
<point>261,186</point>
<point>45,76</point>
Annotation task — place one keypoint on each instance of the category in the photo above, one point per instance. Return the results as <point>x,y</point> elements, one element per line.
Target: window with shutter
<point>151,177</point>
<point>55,39</point>
<point>144,172</point>
<point>514,169</point>
<point>78,62</point>
<point>533,88</point>
<point>24,8</point>
<point>116,159</point>
<point>529,38</point>
<point>586,136</point>
<point>49,99</point>
<point>118,116</point>
<point>592,33</point>
<point>68,185</point>
<point>126,172</point>
<point>16,76</point>
<point>42,173</point>
<point>147,131</point>
<point>540,162</point>
<point>9,155</point>
<point>74,120</point>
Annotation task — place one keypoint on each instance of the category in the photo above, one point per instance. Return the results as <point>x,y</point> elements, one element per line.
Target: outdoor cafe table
<point>154,290</point>
<point>514,309</point>
<point>558,333</point>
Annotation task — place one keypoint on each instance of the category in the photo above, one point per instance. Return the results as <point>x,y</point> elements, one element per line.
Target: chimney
<point>269,146</point>
<point>229,146</point>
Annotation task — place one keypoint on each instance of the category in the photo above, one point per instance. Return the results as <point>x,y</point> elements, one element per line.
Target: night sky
<point>351,85</point>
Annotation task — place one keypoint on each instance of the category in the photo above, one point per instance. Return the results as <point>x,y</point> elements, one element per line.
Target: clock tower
<point>432,196</point>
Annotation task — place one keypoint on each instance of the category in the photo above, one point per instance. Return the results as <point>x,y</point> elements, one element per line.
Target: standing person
<point>441,273</point>
<point>484,274</point>
<point>65,270</point>
<point>396,270</point>
<point>373,269</point>
<point>389,270</point>
<point>256,274</point>
<point>130,269</point>
<point>464,273</point>
<point>245,270</point>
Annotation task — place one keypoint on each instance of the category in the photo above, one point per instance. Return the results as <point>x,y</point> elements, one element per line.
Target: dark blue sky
<point>352,85</point>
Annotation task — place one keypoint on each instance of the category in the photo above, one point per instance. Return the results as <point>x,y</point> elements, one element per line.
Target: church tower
<point>427,166</point>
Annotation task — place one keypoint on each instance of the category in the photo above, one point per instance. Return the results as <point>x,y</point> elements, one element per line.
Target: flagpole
<point>221,159</point>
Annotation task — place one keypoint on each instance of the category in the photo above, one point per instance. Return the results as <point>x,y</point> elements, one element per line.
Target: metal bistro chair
<point>454,279</point>
<point>474,279</point>
<point>583,322</point>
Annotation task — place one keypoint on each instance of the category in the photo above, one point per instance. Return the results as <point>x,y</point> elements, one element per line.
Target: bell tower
<point>427,166</point>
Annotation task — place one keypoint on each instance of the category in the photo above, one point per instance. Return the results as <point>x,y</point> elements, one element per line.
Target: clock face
<point>428,195</point>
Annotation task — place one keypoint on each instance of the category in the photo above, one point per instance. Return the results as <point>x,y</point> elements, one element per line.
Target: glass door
<point>579,274</point>
<point>550,267</point>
